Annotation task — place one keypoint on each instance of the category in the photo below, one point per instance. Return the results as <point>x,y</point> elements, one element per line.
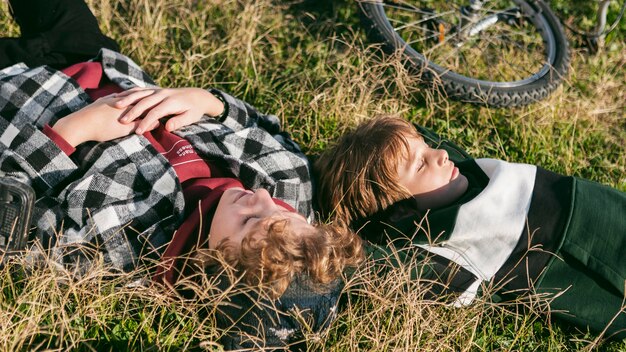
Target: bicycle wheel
<point>499,53</point>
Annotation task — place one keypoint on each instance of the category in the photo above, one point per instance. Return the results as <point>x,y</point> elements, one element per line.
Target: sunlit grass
<point>309,63</point>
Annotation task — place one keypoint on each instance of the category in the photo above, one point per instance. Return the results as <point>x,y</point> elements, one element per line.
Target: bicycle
<point>500,53</point>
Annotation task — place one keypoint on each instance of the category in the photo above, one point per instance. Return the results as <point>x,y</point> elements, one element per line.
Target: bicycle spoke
<point>432,17</point>
<point>504,47</point>
<point>407,7</point>
<point>424,39</point>
<point>451,54</point>
<point>481,58</point>
<point>447,51</point>
<point>491,44</point>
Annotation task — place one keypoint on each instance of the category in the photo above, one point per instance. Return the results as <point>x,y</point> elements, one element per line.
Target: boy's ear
<point>455,153</point>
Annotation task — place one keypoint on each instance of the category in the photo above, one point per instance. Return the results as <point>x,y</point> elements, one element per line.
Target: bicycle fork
<point>596,38</point>
<point>471,23</point>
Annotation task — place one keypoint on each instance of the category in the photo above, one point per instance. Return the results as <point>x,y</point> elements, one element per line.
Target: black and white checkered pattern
<point>122,198</point>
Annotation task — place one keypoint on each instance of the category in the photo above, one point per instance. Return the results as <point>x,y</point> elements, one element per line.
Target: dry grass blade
<point>309,63</point>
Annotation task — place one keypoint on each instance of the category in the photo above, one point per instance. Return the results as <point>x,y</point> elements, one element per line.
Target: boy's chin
<point>443,196</point>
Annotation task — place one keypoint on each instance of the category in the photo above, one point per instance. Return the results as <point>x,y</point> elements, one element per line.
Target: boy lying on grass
<point>116,182</point>
<point>482,223</point>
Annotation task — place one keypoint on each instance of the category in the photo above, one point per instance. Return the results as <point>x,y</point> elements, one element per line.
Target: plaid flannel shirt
<point>121,198</point>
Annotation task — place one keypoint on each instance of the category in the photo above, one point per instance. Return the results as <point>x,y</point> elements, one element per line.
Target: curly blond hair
<point>274,252</point>
<point>358,176</point>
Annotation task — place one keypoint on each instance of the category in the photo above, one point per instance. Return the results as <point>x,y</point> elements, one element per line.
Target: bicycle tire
<point>540,24</point>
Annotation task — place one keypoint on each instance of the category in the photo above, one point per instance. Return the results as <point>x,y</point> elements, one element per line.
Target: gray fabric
<point>254,322</point>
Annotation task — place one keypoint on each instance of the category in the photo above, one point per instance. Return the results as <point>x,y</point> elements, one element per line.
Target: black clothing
<point>57,33</point>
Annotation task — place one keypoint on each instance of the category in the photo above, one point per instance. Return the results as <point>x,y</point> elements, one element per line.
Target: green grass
<point>309,63</point>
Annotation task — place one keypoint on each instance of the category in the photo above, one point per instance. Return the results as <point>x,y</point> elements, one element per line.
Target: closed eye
<point>420,166</point>
<point>248,218</point>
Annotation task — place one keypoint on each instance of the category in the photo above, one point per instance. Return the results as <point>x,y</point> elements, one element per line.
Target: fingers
<point>133,90</point>
<point>164,108</point>
<point>127,130</point>
<point>141,107</point>
<point>182,120</point>
<point>132,96</point>
<point>148,106</point>
<point>154,125</point>
<point>112,130</point>
<point>132,127</point>
<point>143,130</point>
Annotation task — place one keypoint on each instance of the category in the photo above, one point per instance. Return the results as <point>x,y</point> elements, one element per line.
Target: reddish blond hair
<point>274,252</point>
<point>358,175</point>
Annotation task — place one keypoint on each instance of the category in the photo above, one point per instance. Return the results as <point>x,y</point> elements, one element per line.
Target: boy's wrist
<point>67,148</point>
<point>66,129</point>
<point>218,109</point>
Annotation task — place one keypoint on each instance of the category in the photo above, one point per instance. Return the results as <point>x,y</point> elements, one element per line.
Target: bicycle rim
<point>504,44</point>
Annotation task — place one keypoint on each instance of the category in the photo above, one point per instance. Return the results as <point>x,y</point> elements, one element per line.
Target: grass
<point>309,63</point>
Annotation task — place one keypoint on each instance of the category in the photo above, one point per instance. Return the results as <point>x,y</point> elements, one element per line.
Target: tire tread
<point>375,24</point>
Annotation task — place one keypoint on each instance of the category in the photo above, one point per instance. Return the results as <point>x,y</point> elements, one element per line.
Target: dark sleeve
<point>31,51</point>
<point>441,278</point>
<point>57,33</point>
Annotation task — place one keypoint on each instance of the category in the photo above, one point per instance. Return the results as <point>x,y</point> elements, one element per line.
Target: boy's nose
<point>442,156</point>
<point>262,198</point>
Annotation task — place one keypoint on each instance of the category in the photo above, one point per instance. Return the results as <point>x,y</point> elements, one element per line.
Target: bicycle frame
<point>471,25</point>
<point>601,18</point>
<point>598,32</point>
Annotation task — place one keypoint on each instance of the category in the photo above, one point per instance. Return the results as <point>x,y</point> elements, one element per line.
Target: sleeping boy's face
<point>429,175</point>
<point>241,211</point>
